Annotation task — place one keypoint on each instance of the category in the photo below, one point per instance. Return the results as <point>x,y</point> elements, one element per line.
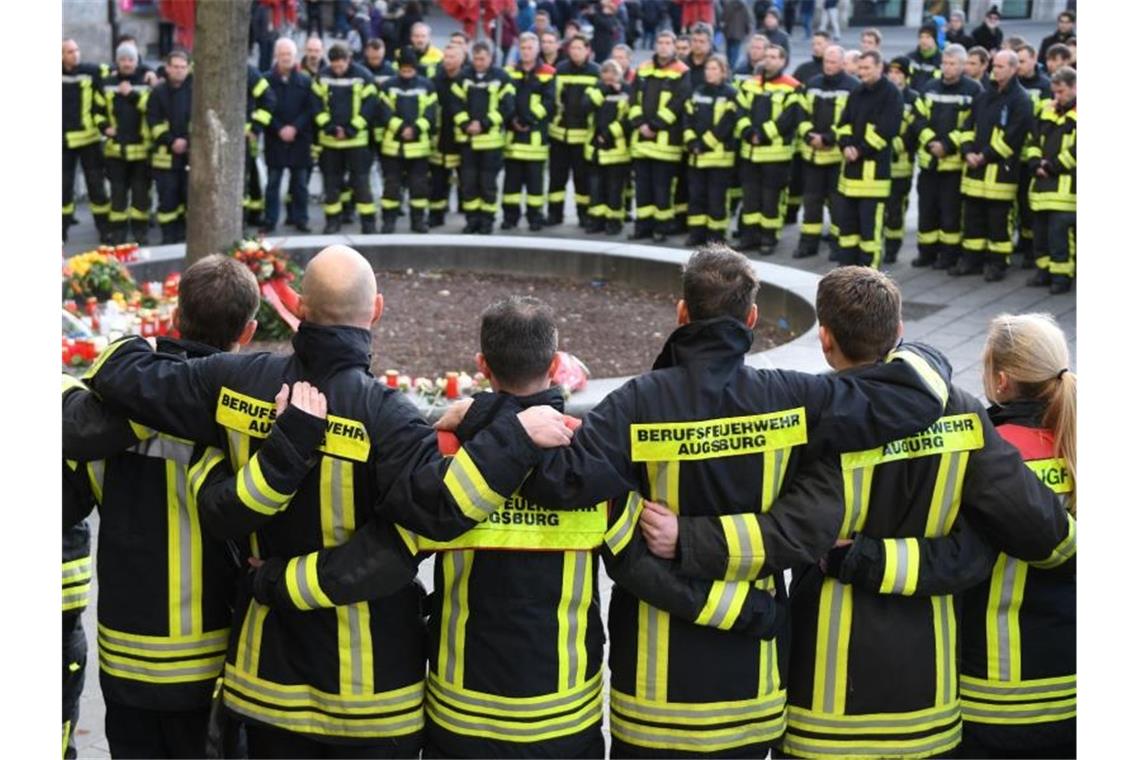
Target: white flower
<point>249,246</point>
<point>404,382</point>
<point>424,385</point>
<point>465,382</point>
<point>440,383</point>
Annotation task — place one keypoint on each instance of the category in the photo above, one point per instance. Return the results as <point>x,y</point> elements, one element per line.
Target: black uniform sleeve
<point>162,391</point>
<point>596,465</point>
<point>729,606</point>
<point>1006,141</point>
<point>506,106</point>
<point>425,125</point>
<point>724,129</point>
<point>637,115</point>
<point>801,527</point>
<point>546,103</point>
<point>884,127</point>
<point>78,499</point>
<point>157,119</point>
<point>441,498</point>
<point>233,505</point>
<point>90,430</point>
<point>263,101</point>
<point>790,118</point>
<point>915,566</point>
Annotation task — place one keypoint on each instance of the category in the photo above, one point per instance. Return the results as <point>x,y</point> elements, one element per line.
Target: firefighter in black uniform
<point>805,71</point>
<point>568,130</point>
<point>1053,191</point>
<point>168,116</point>
<point>127,148</point>
<point>902,161</point>
<point>607,150</point>
<point>869,124</point>
<point>347,103</point>
<point>999,122</point>
<point>709,125</point>
<point>707,435</point>
<point>165,584</point>
<point>1040,91</point>
<point>83,119</point>
<point>926,59</point>
<point>259,104</point>
<point>363,663</point>
<point>406,119</point>
<point>528,144</point>
<point>822,101</point>
<point>890,650</point>
<point>941,111</point>
<point>445,150</point>
<point>374,60</point>
<point>487,102</point>
<point>659,95</point>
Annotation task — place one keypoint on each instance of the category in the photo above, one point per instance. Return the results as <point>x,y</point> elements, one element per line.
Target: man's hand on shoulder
<point>546,427</point>
<point>454,415</point>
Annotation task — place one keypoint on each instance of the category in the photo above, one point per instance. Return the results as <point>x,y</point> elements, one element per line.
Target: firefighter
<point>127,147</point>
<point>1000,118</point>
<point>76,580</point>
<point>165,584</point>
<point>374,61</point>
<point>486,654</point>
<point>902,161</point>
<point>926,60</point>
<point>770,113</point>
<point>660,92</point>
<point>607,150</point>
<point>347,105</point>
<point>941,112</point>
<point>259,105</point>
<point>428,56</point>
<point>870,122</point>
<point>824,98</point>
<point>308,480</point>
<point>568,130</point>
<point>709,124</point>
<point>746,70</point>
<point>528,147</point>
<point>701,48</point>
<point>876,635</point>
<point>405,123</point>
<point>444,158</point>
<point>808,69</point>
<point>168,118</point>
<point>1039,89</point>
<point>83,119</point>
<point>707,435</point>
<point>1053,188</point>
<point>487,103</point>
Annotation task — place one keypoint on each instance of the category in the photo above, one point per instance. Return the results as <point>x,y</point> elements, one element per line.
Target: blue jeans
<point>298,210</point>
<point>732,50</point>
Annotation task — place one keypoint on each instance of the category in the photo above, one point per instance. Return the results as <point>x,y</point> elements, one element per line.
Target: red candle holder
<point>452,387</point>
<point>392,376</point>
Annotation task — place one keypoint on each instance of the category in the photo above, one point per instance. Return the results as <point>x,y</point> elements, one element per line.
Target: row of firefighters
<point>703,145</point>
<point>959,583</point>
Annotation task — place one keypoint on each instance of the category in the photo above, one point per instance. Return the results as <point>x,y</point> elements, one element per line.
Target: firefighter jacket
<point>382,73</point>
<point>83,107</point>
<point>709,126</point>
<point>165,585</point>
<point>528,127</point>
<point>571,118</point>
<point>744,72</point>
<point>76,566</point>
<point>429,61</point>
<point>168,118</point>
<point>1040,91</point>
<point>1053,145</point>
<point>998,124</point>
<point>659,95</point>
<point>515,630</point>
<point>347,102</point>
<point>904,144</point>
<point>713,438</point>
<point>608,135</point>
<point>488,98</point>
<point>900,500</point>
<point>260,101</point>
<point>870,122</point>
<point>403,103</point>
<point>295,105</point>
<point>941,113</point>
<point>446,149</point>
<point>822,101</point>
<point>770,113</point>
<point>924,67</point>
<point>127,114</point>
<point>353,673</point>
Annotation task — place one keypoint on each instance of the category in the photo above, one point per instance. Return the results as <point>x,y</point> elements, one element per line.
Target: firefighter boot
<point>368,224</point>
<point>1062,283</point>
<point>809,246</point>
<point>418,224</point>
<point>435,219</point>
<point>388,225</point>
<point>1040,279</point>
<point>891,251</point>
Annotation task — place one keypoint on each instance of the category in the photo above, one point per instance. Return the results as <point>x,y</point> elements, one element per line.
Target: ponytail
<point>1061,418</point>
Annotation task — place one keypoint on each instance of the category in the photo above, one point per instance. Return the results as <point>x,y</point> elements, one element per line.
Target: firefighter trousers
<point>680,200</point>
<point>268,742</point>
<point>607,191</point>
<point>897,204</point>
<point>254,200</point>
<point>1055,242</point>
<point>567,159</point>
<point>335,162</point>
<point>479,180</point>
<point>654,187</point>
<point>1025,215</point>
<point>762,207</point>
<point>987,231</point>
<point>74,667</point>
<point>170,185</point>
<point>519,176</point>
<point>400,173</point>
<point>795,189</point>
<point>130,183</point>
<point>861,231</point>
<point>708,200</point>
<point>939,214</point>
<point>820,187</point>
<point>133,732</point>
<point>90,159</point>
<point>441,175</point>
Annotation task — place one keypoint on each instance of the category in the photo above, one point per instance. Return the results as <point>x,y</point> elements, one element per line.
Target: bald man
<point>300,482</point>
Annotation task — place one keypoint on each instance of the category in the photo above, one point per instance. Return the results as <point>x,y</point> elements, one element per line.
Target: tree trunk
<point>217,128</point>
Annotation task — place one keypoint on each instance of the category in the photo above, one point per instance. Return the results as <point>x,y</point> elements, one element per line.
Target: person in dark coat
<point>989,34</point>
<point>289,137</point>
<point>956,33</point>
<point>1066,30</point>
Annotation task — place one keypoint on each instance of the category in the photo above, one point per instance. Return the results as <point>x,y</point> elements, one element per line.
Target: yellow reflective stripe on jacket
<point>856,497</point>
<point>1028,702</point>
<point>621,531</point>
<point>72,383</point>
<point>713,438</point>
<point>95,472</point>
<point>900,575</point>
<point>77,570</point>
<point>256,493</point>
<point>454,614</point>
<point>344,437</point>
<point>1003,620</point>
<point>1052,472</point>
<point>998,143</point>
<point>744,546</point>
<point>950,434</point>
<point>832,643</point>
<point>162,659</point>
<point>722,608</point>
<point>703,726</point>
<point>872,137</point>
<point>920,365</point>
<point>879,725</point>
<point>184,554</point>
<point>930,745</point>
<point>573,606</point>
<point>1064,551</point>
<point>303,585</point>
<point>476,499</point>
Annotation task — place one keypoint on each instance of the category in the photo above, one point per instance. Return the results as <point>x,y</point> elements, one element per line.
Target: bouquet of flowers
<point>95,274</point>
<point>277,315</point>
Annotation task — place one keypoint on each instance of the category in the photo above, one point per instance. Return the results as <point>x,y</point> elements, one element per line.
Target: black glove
<point>267,580</point>
<point>770,614</point>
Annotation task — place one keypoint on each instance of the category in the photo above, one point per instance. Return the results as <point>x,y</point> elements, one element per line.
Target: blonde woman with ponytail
<point>1018,629</point>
